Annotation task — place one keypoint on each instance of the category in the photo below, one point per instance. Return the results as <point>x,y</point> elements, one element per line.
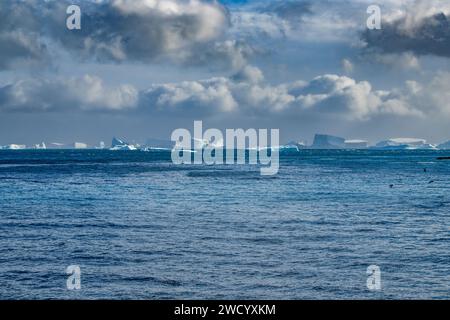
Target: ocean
<point>140,227</point>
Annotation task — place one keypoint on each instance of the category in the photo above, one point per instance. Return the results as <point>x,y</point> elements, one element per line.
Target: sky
<point>138,69</point>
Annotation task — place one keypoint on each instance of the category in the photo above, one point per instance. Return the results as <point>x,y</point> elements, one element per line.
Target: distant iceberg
<point>56,145</point>
<point>118,145</point>
<point>289,148</point>
<point>63,146</point>
<point>40,146</point>
<point>324,141</point>
<point>79,145</point>
<point>14,147</point>
<point>404,144</point>
<point>299,145</point>
<point>158,144</point>
<point>444,146</point>
<point>356,144</point>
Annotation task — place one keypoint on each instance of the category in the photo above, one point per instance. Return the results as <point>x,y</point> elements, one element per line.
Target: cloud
<point>248,93</point>
<point>143,30</point>
<point>434,97</point>
<point>20,42</point>
<point>300,20</point>
<point>423,28</point>
<point>191,97</point>
<point>87,94</point>
<point>245,93</point>
<point>227,54</point>
<point>347,65</point>
<point>187,32</point>
<point>290,10</point>
<point>405,60</point>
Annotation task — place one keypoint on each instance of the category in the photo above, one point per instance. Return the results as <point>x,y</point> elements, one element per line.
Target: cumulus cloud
<point>245,93</point>
<point>87,93</point>
<point>434,97</point>
<point>422,28</point>
<point>191,97</point>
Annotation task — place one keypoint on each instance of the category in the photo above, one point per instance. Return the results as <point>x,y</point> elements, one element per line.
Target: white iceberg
<point>119,145</point>
<point>158,144</point>
<point>356,144</point>
<point>14,147</point>
<point>404,143</point>
<point>40,146</point>
<point>57,145</point>
<point>79,145</point>
<point>298,144</point>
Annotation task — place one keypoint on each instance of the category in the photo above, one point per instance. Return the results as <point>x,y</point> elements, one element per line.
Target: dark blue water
<point>140,227</point>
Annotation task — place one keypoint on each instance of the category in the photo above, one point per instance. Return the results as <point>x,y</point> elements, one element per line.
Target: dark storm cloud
<point>430,36</point>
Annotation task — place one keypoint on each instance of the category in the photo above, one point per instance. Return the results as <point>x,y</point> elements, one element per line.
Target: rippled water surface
<point>142,228</point>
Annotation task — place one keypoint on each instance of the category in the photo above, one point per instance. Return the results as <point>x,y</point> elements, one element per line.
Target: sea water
<point>140,227</point>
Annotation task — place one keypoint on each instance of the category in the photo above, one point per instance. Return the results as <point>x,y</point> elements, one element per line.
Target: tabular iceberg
<point>14,147</point>
<point>404,144</point>
<point>324,141</point>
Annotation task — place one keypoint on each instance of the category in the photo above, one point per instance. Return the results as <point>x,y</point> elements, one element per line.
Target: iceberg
<point>14,147</point>
<point>40,146</point>
<point>404,144</point>
<point>157,144</point>
<point>289,148</point>
<point>300,144</point>
<point>56,145</point>
<point>356,144</point>
<point>444,146</point>
<point>79,145</point>
<point>63,146</point>
<point>323,141</point>
<point>118,145</point>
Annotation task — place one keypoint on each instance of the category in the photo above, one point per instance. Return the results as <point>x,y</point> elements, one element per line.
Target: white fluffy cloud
<point>245,93</point>
<point>86,93</point>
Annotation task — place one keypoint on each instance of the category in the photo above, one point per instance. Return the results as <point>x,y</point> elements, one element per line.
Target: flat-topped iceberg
<point>13,147</point>
<point>404,143</point>
<point>356,144</point>
<point>324,141</point>
<point>78,145</point>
